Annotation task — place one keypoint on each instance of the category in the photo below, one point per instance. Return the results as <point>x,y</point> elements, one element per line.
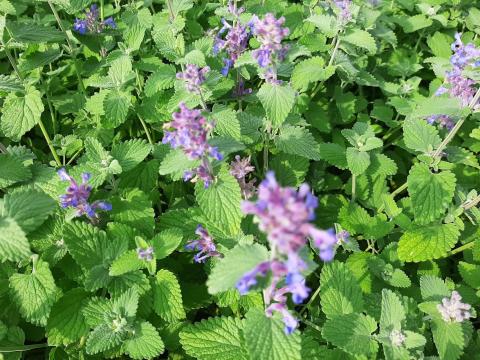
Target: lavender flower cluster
<point>240,168</point>
<point>145,254</point>
<point>194,77</point>
<point>456,83</point>
<point>204,245</point>
<point>189,131</point>
<point>77,196</point>
<point>345,12</point>
<point>235,41</point>
<point>453,310</point>
<point>270,33</point>
<point>91,23</point>
<point>284,214</point>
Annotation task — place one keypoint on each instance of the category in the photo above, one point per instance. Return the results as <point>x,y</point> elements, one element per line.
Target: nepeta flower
<point>397,338</point>
<point>235,41</point>
<point>77,196</point>
<point>91,23</point>
<point>284,214</point>
<point>189,131</point>
<point>464,55</point>
<point>145,254</point>
<point>453,310</point>
<point>443,120</point>
<point>240,168</point>
<point>344,6</point>
<point>204,245</point>
<point>194,77</point>
<point>270,33</point>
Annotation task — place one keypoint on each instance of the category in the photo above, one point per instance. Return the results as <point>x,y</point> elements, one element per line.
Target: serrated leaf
<point>20,113</point>
<point>218,338</point>
<point>327,24</point>
<point>277,100</point>
<point>358,161</point>
<point>411,24</point>
<point>392,313</point>
<point>433,288</point>
<point>265,338</point>
<point>310,70</point>
<point>450,338</point>
<point>115,105</point>
<point>352,333</point>
<point>34,293</point>
<point>438,105</point>
<point>176,163</point>
<point>334,154</point>
<point>66,323</point>
<point>29,208</point>
<point>290,170</point>
<point>470,273</point>
<point>226,122</point>
<point>127,262</point>
<point>420,136</point>
<point>102,338</point>
<point>32,33</point>
<point>162,79</point>
<point>145,342</point>
<point>14,245</point>
<point>299,141</point>
<point>220,202</point>
<point>166,242</point>
<point>236,262</point>
<point>431,193</point>
<point>361,38</point>
<point>167,297</point>
<point>340,293</point>
<point>131,153</point>
<point>428,242</point>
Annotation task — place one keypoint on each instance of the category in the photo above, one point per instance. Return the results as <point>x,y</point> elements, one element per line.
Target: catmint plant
<point>77,195</point>
<point>240,168</point>
<point>453,310</point>
<point>91,23</point>
<point>204,245</point>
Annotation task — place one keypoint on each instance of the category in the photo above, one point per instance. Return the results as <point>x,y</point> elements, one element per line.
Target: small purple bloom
<point>344,6</point>
<point>240,168</point>
<point>77,196</point>
<point>453,310</point>
<point>80,26</point>
<point>194,77</point>
<point>204,245</point>
<point>91,23</point>
<point>145,254</point>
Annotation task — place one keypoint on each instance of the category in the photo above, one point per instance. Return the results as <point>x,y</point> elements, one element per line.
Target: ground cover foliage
<point>258,179</point>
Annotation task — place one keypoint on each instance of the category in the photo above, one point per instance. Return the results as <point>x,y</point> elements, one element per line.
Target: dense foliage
<point>258,179</point>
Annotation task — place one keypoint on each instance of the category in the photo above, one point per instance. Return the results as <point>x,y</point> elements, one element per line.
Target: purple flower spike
<point>240,168</point>
<point>270,33</point>
<point>204,245</point>
<point>453,310</point>
<point>77,196</point>
<point>344,6</point>
<point>145,254</point>
<point>194,77</point>
<point>91,23</point>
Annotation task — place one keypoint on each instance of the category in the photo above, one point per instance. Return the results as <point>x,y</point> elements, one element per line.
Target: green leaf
<point>327,24</point>
<point>299,141</point>
<point>131,153</point>
<point>358,161</point>
<point>176,163</point>
<point>127,262</point>
<point>433,288</point>
<point>360,38</point>
<point>265,338</point>
<point>352,333</point>
<point>428,242</point>
<point>162,79</point>
<point>334,154</point>
<point>431,193</point>
<point>310,70</point>
<point>290,170</point>
<point>393,312</point>
<point>10,82</point>
<point>220,202</point>
<point>29,208</point>
<point>116,105</point>
<point>340,293</point>
<point>34,293</point>
<point>217,338</point>
<point>228,271</point>
<point>414,23</point>
<point>66,324</point>
<point>470,273</point>
<point>102,338</point>
<point>277,100</point>
<point>166,242</point>
<point>145,342</point>
<point>167,297</point>
<point>438,105</point>
<point>420,136</point>
<point>226,122</point>
<point>14,245</point>
<point>20,113</point>
<point>32,34</point>
<point>450,338</point>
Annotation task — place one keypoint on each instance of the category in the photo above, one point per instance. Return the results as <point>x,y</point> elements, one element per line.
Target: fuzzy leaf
<point>362,39</point>
<point>145,343</point>
<point>420,136</point>
<point>334,154</point>
<point>162,79</point>
<point>116,105</point>
<point>299,141</point>
<point>167,297</point>
<point>451,338</point>
<point>14,245</point>
<point>310,70</point>
<point>12,171</point>
<point>358,161</point>
<point>131,153</point>
<point>166,242</point>
<point>393,312</point>
<point>277,100</point>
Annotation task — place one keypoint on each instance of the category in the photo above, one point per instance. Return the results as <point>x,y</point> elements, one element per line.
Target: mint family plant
<point>243,179</point>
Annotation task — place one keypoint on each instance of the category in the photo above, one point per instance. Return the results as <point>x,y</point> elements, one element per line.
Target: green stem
<point>49,142</point>
<point>12,61</point>
<point>147,132</point>
<point>461,248</point>
<point>9,349</point>
<point>395,193</point>
<point>101,10</point>
<point>312,299</point>
<point>354,186</point>
<point>72,50</point>
<point>335,49</point>
<point>170,10</point>
<point>74,157</point>
<point>474,202</point>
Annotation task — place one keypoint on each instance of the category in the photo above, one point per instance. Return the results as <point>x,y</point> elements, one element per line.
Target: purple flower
<point>189,131</point>
<point>240,89</point>
<point>91,23</point>
<point>463,55</point>
<point>194,77</point>
<point>270,33</point>
<point>344,6</point>
<point>453,310</point>
<point>443,120</point>
<point>240,168</point>
<point>145,254</point>
<point>204,245</point>
<point>77,196</point>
